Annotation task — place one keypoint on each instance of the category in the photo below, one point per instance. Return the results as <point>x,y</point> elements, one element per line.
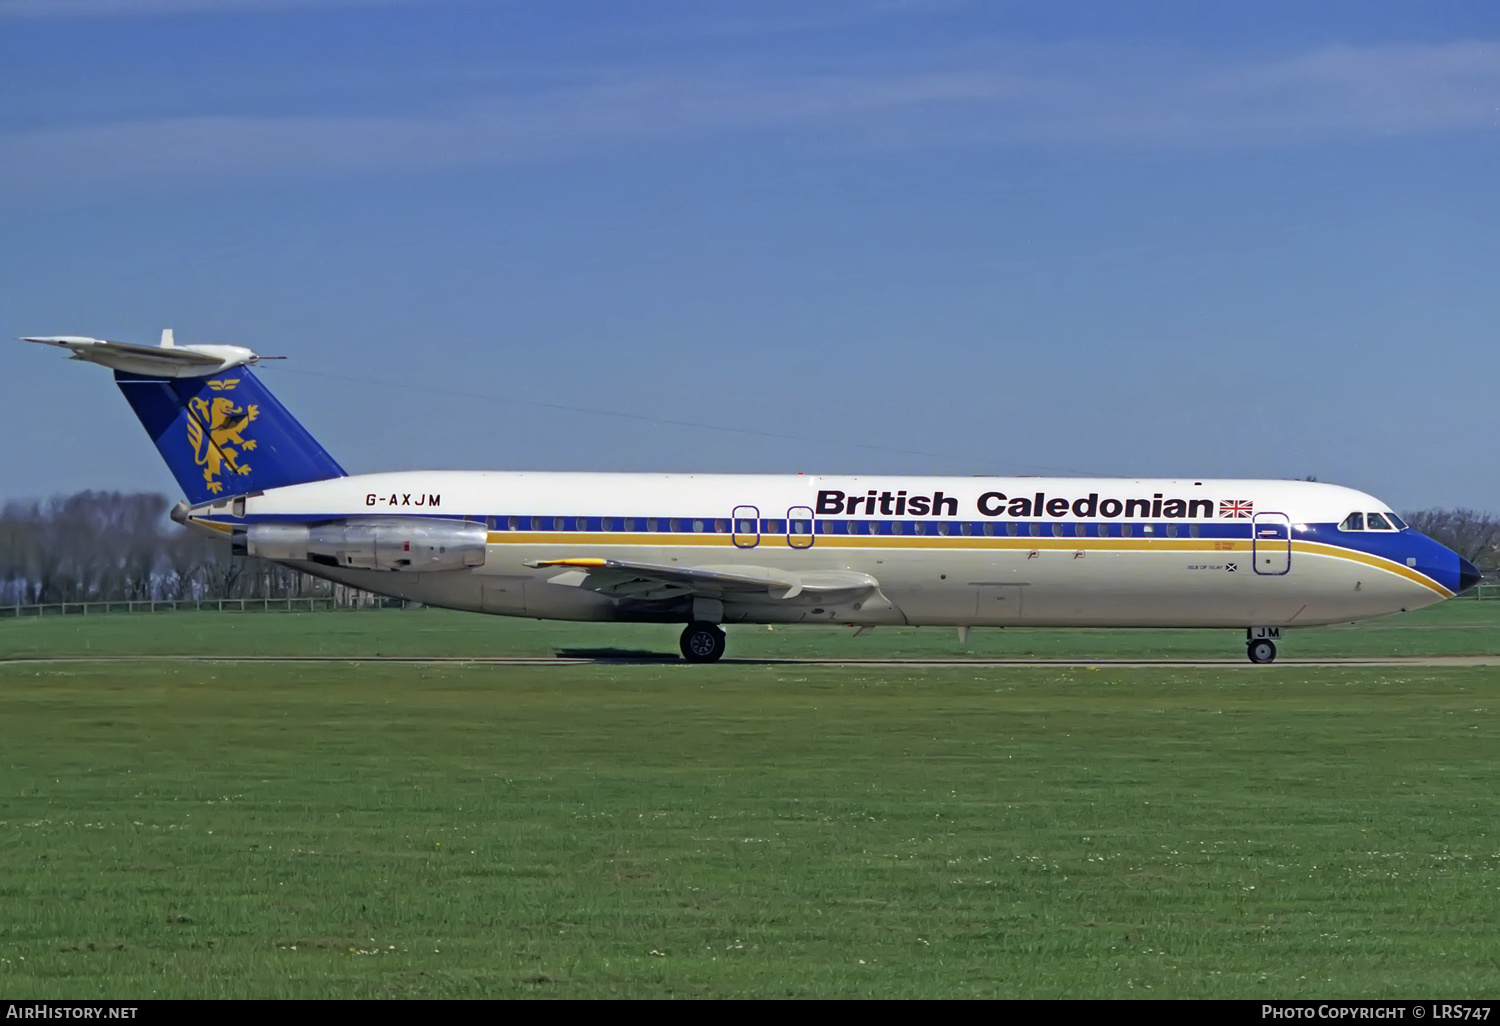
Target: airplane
<point>706,550</point>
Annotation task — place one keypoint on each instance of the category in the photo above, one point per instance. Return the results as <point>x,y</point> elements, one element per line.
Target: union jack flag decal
<point>1236,509</point>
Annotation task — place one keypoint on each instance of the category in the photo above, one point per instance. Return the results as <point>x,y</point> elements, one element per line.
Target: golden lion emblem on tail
<point>214,429</point>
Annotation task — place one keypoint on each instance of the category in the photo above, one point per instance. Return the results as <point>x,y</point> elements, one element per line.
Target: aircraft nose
<point>1468,574</point>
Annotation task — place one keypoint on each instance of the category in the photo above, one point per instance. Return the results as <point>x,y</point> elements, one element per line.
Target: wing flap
<point>626,577</point>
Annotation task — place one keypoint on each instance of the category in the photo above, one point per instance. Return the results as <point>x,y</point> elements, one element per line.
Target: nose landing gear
<point>702,642</point>
<point>1260,643</point>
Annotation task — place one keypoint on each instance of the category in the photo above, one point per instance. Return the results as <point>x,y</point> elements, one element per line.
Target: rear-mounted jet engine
<point>392,543</point>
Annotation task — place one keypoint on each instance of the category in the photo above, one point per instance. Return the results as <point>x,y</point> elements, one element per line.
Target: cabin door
<point>1271,544</point>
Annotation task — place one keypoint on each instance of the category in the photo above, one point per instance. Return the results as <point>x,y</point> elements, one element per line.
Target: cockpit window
<point>1400,524</point>
<point>1377,522</point>
<point>1353,522</point>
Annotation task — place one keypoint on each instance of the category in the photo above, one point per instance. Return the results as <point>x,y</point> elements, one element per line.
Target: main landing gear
<point>1260,643</point>
<point>702,642</point>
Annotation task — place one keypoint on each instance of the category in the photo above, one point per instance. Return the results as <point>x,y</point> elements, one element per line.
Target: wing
<point>652,580</point>
<point>97,350</point>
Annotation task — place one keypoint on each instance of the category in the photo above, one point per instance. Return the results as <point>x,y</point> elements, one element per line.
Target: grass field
<point>366,829</point>
<point>1452,628</point>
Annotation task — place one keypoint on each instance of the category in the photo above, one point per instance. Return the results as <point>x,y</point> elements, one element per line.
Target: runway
<point>647,659</point>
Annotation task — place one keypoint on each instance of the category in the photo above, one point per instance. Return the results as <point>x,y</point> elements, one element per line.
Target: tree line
<point>112,547</point>
<point>1472,534</point>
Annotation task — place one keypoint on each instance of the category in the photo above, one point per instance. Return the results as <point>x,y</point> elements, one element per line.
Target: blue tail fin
<point>226,435</point>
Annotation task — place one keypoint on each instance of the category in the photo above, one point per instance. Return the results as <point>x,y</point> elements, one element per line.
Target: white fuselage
<point>950,551</point>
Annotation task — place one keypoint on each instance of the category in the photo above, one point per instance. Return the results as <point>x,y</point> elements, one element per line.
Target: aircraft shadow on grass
<point>619,655</point>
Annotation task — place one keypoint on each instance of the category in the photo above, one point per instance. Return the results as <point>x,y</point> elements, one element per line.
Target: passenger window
<point>989,528</point>
<point>1376,522</point>
<point>963,528</point>
<point>651,524</point>
<point>697,527</point>
<point>919,528</point>
<point>1126,530</point>
<point>1171,530</point>
<point>1353,522</point>
<point>1010,528</point>
<point>1193,530</point>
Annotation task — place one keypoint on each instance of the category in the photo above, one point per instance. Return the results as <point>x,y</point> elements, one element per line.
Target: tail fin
<point>225,436</point>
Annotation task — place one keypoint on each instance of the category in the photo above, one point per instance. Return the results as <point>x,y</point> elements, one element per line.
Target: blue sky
<point>1251,239</point>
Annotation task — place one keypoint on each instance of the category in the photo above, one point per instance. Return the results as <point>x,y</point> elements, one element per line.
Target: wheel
<point>1261,651</point>
<point>702,643</point>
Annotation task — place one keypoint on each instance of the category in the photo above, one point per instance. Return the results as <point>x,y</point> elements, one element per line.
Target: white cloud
<point>1083,97</point>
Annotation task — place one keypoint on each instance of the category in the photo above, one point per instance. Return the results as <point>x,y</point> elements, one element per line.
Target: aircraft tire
<point>1261,651</point>
<point>702,642</point>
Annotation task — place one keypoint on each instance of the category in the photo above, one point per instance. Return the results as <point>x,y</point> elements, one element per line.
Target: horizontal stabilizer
<point>97,350</point>
<point>167,360</point>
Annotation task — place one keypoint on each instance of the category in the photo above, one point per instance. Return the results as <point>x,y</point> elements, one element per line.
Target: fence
<point>320,603</point>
